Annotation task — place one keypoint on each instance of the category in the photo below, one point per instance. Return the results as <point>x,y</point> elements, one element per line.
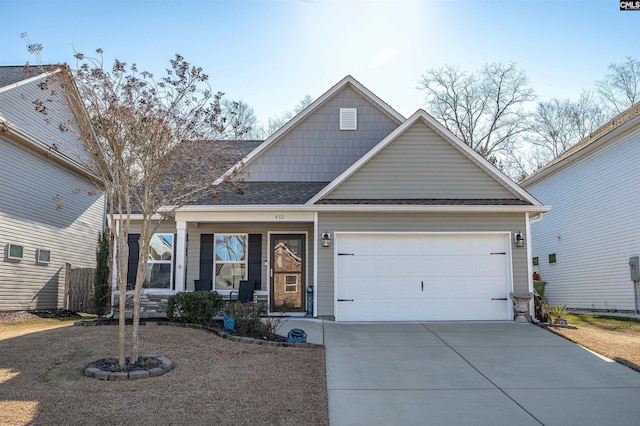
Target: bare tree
<point>240,121</point>
<point>150,142</point>
<point>485,109</point>
<point>275,123</point>
<point>560,124</point>
<point>620,88</point>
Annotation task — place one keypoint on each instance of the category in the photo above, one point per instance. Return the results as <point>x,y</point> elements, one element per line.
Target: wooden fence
<point>80,289</point>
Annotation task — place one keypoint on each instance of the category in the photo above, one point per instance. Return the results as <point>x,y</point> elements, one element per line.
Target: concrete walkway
<point>468,373</point>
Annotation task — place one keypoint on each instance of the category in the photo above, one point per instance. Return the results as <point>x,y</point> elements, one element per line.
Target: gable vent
<point>348,119</point>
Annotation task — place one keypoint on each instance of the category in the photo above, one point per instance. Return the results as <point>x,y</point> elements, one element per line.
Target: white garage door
<point>430,277</point>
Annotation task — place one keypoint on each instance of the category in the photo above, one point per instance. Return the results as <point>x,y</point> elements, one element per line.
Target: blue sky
<point>270,53</point>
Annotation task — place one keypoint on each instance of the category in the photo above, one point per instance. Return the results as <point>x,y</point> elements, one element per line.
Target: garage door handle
<point>345,300</point>
<point>499,298</point>
<point>502,252</point>
<point>345,254</point>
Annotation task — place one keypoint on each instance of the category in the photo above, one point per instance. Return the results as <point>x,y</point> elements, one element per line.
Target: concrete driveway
<point>469,373</point>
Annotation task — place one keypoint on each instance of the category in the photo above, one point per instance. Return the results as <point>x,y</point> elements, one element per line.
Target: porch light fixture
<point>519,239</point>
<point>326,239</point>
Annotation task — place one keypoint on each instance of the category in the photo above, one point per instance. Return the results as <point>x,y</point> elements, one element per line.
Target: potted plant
<point>556,313</point>
<point>230,313</point>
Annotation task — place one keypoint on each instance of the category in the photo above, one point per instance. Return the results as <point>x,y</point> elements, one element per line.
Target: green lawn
<point>604,322</point>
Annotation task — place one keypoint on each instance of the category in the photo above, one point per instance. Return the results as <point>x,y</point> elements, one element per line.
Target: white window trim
<point>41,261</point>
<point>9,251</point>
<point>244,262</point>
<point>164,262</point>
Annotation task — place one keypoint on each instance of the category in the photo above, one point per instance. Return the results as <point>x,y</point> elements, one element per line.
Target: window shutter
<point>254,260</point>
<point>134,253</point>
<point>206,258</point>
<point>348,119</point>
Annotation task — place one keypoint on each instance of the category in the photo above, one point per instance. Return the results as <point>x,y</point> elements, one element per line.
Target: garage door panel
<point>412,277</point>
<point>465,309</point>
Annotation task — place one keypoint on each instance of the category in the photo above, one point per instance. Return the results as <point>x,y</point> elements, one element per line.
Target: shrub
<point>196,307</point>
<point>556,311</point>
<point>102,284</point>
<point>253,320</point>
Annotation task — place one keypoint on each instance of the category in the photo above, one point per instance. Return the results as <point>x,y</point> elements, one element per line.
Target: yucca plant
<point>555,312</point>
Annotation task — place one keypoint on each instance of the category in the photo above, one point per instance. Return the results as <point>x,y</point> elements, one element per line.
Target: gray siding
<point>418,222</point>
<point>593,227</point>
<point>28,216</point>
<point>193,245</point>
<point>16,106</point>
<point>420,164</point>
<point>315,149</point>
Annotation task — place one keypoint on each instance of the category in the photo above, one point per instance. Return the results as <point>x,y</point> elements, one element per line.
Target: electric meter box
<point>634,267</point>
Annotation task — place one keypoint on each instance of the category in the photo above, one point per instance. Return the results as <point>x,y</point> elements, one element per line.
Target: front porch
<point>214,251</point>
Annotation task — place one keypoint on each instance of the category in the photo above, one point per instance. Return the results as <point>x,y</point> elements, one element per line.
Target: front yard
<point>617,338</point>
<point>215,381</point>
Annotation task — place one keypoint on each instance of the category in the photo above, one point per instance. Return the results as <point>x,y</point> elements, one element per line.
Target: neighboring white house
<point>387,218</point>
<point>583,245</point>
<point>43,225</point>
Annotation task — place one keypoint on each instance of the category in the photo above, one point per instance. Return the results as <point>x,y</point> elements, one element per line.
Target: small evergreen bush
<point>102,282</point>
<point>196,307</point>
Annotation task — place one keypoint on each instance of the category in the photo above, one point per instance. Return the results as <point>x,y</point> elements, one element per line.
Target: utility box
<point>634,268</point>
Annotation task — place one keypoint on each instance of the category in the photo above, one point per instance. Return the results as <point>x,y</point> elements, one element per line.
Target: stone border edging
<point>208,329</point>
<point>166,365</point>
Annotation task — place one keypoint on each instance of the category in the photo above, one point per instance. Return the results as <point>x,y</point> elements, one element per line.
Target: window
<point>159,262</point>
<point>536,261</point>
<point>44,256</point>
<point>15,251</point>
<point>230,260</point>
<point>290,283</point>
<point>552,258</point>
<point>348,119</point>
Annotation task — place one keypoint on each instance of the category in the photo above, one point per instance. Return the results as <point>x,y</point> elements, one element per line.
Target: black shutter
<point>173,261</point>
<point>254,261</point>
<point>206,259</point>
<point>134,253</point>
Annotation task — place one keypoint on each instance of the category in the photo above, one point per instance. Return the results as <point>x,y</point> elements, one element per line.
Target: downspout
<point>538,218</point>
<point>529,221</point>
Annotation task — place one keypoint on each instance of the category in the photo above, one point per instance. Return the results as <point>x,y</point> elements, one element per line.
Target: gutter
<point>538,218</point>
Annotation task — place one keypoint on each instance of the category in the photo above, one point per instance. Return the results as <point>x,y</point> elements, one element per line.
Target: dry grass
<point>215,381</point>
<point>614,337</point>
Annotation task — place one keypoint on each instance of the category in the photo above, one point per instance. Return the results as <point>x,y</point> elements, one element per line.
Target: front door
<point>287,273</point>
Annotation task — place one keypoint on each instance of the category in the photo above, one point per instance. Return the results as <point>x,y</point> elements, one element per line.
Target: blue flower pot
<point>229,322</point>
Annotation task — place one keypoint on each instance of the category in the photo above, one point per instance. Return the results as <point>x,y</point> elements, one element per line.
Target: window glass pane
<point>158,276</point>
<point>15,251</point>
<point>161,247</point>
<point>231,248</point>
<point>228,275</point>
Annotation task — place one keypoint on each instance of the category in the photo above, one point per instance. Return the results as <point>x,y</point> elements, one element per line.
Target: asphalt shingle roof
<point>16,73</point>
<point>252,193</point>
<point>432,202</point>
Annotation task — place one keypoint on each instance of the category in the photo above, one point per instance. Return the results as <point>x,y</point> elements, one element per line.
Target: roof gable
<point>608,133</point>
<point>18,110</point>
<point>312,147</point>
<point>422,160</point>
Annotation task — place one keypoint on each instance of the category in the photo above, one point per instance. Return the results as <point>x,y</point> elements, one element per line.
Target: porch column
<point>181,260</point>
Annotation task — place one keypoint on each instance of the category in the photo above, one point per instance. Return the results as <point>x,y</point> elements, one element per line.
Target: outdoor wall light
<point>519,239</point>
<point>326,239</point>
